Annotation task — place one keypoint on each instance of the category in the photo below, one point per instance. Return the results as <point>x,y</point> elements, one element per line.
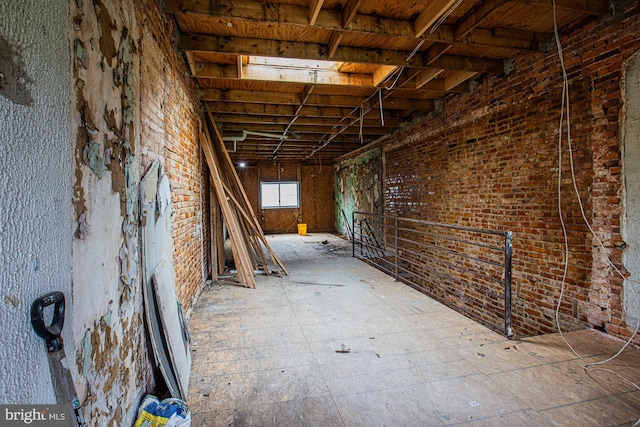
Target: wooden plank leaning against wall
<point>245,233</point>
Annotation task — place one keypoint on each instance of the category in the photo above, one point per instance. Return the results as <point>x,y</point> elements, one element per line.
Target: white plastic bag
<point>170,412</point>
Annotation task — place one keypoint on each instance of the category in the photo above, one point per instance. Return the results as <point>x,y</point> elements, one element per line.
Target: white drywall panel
<point>35,186</point>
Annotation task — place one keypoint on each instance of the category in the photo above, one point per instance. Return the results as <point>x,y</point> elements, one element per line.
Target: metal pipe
<point>246,133</point>
<point>396,247</point>
<point>353,227</point>
<point>508,249</point>
<point>439,224</point>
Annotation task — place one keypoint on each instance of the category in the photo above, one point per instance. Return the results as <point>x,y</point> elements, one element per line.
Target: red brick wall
<point>170,124</point>
<point>490,159</point>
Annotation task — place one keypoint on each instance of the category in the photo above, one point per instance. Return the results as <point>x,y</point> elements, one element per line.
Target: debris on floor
<point>169,412</point>
<point>343,350</point>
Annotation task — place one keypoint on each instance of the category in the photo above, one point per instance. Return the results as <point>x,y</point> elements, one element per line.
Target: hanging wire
<point>440,20</point>
<point>565,107</point>
<point>380,104</point>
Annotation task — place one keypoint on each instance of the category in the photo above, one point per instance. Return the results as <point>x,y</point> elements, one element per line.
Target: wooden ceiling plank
<point>191,63</point>
<point>475,17</point>
<point>249,96</point>
<point>590,7</point>
<point>314,10</point>
<point>382,73</point>
<point>334,42</point>
<point>508,39</point>
<point>298,127</point>
<point>457,78</point>
<point>464,63</point>
<point>436,51</point>
<point>298,16</point>
<point>285,110</point>
<point>434,10</point>
<point>223,71</point>
<point>222,118</point>
<point>251,109</point>
<point>427,75</point>
<point>288,15</point>
<point>349,12</point>
<point>300,50</point>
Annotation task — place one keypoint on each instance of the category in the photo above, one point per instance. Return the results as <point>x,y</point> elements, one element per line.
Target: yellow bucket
<point>302,229</point>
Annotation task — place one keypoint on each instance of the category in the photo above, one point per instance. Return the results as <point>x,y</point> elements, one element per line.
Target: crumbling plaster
<point>358,186</point>
<point>631,175</point>
<point>111,362</point>
<point>35,188</point>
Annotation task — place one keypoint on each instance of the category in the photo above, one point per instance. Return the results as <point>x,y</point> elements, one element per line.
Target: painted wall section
<point>631,174</point>
<point>358,187</point>
<point>108,337</point>
<point>132,103</point>
<point>35,188</point>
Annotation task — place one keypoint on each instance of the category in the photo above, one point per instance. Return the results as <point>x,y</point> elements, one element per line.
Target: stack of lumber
<point>248,243</point>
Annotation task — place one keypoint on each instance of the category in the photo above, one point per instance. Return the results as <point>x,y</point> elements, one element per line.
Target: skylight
<point>301,71</point>
<point>306,64</point>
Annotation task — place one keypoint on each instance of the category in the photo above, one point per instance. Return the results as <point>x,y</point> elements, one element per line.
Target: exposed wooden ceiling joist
<point>300,50</point>
<point>391,60</point>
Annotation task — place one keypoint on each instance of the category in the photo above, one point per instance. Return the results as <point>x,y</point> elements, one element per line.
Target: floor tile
<point>338,343</point>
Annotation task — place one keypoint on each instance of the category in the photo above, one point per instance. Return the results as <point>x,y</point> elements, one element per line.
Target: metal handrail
<point>393,244</point>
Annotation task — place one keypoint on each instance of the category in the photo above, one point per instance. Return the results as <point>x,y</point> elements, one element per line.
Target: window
<point>279,195</point>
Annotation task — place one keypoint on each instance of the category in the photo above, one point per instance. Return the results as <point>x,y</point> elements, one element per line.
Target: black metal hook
<point>51,333</point>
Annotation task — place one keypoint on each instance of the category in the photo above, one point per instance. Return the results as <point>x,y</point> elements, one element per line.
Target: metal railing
<point>468,269</point>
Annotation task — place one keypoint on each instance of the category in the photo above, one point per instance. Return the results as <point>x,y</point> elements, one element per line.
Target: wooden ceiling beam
<point>314,10</point>
<point>508,38</point>
<point>219,71</point>
<point>457,78</point>
<point>288,110</point>
<point>301,121</point>
<point>211,71</point>
<point>436,51</point>
<point>300,50</point>
<point>590,7</point>
<point>382,74</point>
<point>427,75</point>
<point>475,16</point>
<point>288,15</point>
<point>434,10</point>
<point>278,98</point>
<point>266,73</point>
<point>334,42</point>
<point>349,12</point>
<point>300,129</point>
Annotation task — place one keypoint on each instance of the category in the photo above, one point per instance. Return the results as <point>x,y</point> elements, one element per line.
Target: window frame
<point>280,206</point>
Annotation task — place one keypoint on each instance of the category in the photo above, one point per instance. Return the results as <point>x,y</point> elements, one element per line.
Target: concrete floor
<point>267,356</point>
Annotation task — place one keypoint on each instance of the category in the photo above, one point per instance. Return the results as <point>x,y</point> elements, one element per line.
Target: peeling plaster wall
<point>35,187</point>
<point>358,186</point>
<point>631,176</point>
<point>132,102</point>
<point>108,335</point>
